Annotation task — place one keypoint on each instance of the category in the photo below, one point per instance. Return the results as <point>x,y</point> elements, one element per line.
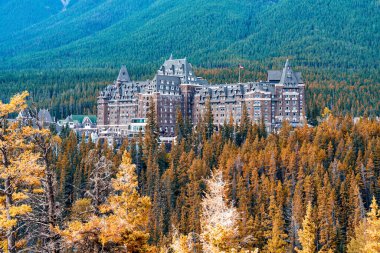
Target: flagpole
<point>239,73</point>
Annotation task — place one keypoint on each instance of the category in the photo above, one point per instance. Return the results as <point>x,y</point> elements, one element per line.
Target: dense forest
<point>308,189</point>
<point>64,56</point>
<point>74,91</point>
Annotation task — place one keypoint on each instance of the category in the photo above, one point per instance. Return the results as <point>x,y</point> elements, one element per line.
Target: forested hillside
<point>17,15</point>
<point>335,44</point>
<point>240,190</point>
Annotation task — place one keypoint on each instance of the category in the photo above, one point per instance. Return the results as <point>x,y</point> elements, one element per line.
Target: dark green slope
<point>70,55</point>
<point>333,34</point>
<point>81,20</point>
<point>16,15</point>
<point>199,29</point>
<point>336,34</point>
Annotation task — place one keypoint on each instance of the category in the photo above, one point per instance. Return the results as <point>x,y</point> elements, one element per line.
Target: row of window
<point>163,87</point>
<point>166,129</point>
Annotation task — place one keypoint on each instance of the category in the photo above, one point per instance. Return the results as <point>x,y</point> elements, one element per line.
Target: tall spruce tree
<point>307,235</point>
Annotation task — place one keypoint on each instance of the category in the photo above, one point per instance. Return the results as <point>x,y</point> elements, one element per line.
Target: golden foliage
<point>123,219</point>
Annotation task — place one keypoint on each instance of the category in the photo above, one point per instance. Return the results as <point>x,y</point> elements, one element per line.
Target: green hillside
<point>16,15</point>
<point>335,34</point>
<point>333,42</point>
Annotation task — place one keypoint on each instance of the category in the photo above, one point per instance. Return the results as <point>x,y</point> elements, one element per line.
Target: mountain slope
<point>16,15</point>
<point>146,33</point>
<point>70,55</point>
<point>335,34</point>
<point>79,21</point>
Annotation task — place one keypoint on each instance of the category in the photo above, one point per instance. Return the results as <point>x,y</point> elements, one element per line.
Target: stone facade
<point>281,97</point>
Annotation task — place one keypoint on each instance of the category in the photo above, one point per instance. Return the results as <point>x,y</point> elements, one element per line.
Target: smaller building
<point>42,119</point>
<point>81,124</point>
<point>136,126</point>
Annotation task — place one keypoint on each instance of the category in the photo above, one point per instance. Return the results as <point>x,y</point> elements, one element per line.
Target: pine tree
<point>208,121</point>
<point>245,125</point>
<point>122,223</point>
<point>277,241</point>
<point>218,220</point>
<point>307,235</point>
<point>19,175</point>
<point>367,233</point>
<point>151,130</point>
<point>182,243</point>
<point>180,130</point>
<point>47,145</point>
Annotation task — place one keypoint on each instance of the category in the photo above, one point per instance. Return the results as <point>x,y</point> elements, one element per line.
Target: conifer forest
<point>190,126</point>
<point>241,189</point>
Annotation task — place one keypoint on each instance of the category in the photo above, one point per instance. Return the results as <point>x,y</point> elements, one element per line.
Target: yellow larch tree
<point>45,219</point>
<point>277,241</point>
<point>307,235</point>
<point>367,233</point>
<point>219,220</point>
<point>182,243</point>
<point>20,175</point>
<point>122,223</point>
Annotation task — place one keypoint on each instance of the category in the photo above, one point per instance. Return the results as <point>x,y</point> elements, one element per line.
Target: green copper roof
<point>80,118</point>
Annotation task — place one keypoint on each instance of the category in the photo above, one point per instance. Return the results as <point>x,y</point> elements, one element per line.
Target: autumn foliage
<point>239,189</point>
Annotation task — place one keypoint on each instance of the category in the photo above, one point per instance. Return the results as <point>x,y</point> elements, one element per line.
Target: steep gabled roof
<point>44,116</point>
<point>123,75</point>
<point>288,76</point>
<point>92,118</point>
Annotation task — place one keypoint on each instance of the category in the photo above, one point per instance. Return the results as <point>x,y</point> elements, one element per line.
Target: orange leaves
<point>24,169</point>
<point>122,220</point>
<point>367,233</point>
<point>15,211</point>
<point>17,104</point>
<point>21,171</point>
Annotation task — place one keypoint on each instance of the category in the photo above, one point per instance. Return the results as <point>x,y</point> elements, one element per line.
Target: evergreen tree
<point>245,125</point>
<point>218,220</point>
<point>19,176</point>
<point>367,233</point>
<point>122,223</point>
<point>180,130</point>
<point>307,235</point>
<point>277,240</point>
<point>208,120</point>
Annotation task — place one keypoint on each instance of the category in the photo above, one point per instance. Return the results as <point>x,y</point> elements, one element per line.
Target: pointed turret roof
<point>288,76</point>
<point>123,75</point>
